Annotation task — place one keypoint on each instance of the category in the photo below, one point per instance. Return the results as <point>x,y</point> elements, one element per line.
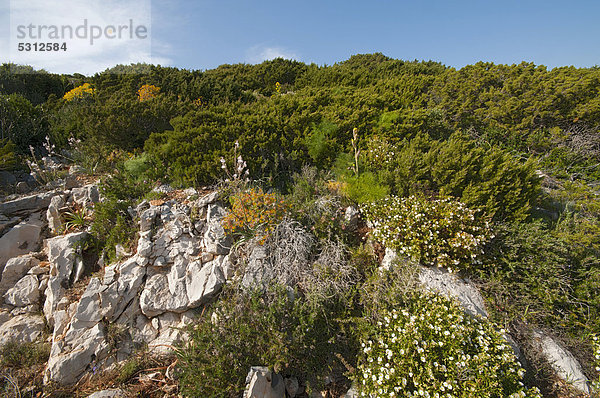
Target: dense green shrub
<point>267,328</point>
<point>322,145</point>
<point>8,157</point>
<point>487,179</point>
<point>429,348</point>
<point>21,122</point>
<point>364,188</point>
<point>532,274</point>
<point>112,224</point>
<point>440,232</point>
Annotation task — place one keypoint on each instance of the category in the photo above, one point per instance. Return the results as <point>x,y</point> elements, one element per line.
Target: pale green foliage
<point>441,232</point>
<point>430,348</point>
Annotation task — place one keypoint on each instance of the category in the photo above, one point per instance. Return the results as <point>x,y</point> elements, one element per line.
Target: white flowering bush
<point>380,153</point>
<point>441,232</point>
<point>596,382</point>
<point>430,348</point>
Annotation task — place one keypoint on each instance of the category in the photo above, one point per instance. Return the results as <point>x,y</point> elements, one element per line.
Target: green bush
<point>19,355</point>
<point>430,348</point>
<point>487,179</point>
<point>531,274</point>
<point>259,328</point>
<point>112,224</point>
<point>138,166</point>
<point>440,232</point>
<point>365,188</point>
<point>322,145</point>
<point>8,157</point>
<point>318,203</point>
<point>21,122</point>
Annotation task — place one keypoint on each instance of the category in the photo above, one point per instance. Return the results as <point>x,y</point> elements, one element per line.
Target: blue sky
<point>206,33</point>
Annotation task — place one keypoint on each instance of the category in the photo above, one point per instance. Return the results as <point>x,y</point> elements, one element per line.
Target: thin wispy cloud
<point>97,34</point>
<point>258,54</point>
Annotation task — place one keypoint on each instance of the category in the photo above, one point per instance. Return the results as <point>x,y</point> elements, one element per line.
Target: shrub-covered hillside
<point>489,171</point>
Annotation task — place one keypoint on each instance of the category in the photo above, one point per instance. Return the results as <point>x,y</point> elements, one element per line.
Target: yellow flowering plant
<point>147,92</point>
<point>83,91</point>
<point>254,213</point>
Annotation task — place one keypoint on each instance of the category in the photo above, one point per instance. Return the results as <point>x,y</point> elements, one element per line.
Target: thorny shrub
<point>441,232</point>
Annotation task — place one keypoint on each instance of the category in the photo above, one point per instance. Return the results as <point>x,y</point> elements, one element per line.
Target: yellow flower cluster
<point>79,92</point>
<point>254,212</point>
<point>147,92</point>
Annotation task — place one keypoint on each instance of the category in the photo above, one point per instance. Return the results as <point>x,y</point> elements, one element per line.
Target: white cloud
<point>112,20</point>
<point>258,54</point>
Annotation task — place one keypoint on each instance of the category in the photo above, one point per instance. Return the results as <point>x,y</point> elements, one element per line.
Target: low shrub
<point>254,213</point>
<point>318,203</point>
<point>440,232</point>
<point>8,156</point>
<point>112,224</point>
<point>18,355</point>
<point>267,328</point>
<point>430,348</point>
<point>365,188</point>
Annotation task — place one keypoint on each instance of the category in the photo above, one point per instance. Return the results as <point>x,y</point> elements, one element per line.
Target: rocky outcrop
<point>562,361</point>
<point>21,328</point>
<point>24,293</point>
<point>262,383</point>
<point>64,265</point>
<point>86,195</point>
<point>21,239</point>
<point>15,269</point>
<point>180,264</point>
<point>27,204</point>
<point>53,214</point>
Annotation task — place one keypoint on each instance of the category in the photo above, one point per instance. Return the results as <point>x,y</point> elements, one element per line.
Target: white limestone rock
<point>71,356</point>
<point>262,383</point>
<point>27,204</point>
<point>562,362</point>
<point>21,328</point>
<point>440,281</point>
<point>203,281</point>
<point>21,239</point>
<point>24,293</point>
<point>53,213</point>
<point>14,270</point>
<point>62,258</point>
<point>157,298</point>
<point>112,393</point>
<point>86,195</point>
